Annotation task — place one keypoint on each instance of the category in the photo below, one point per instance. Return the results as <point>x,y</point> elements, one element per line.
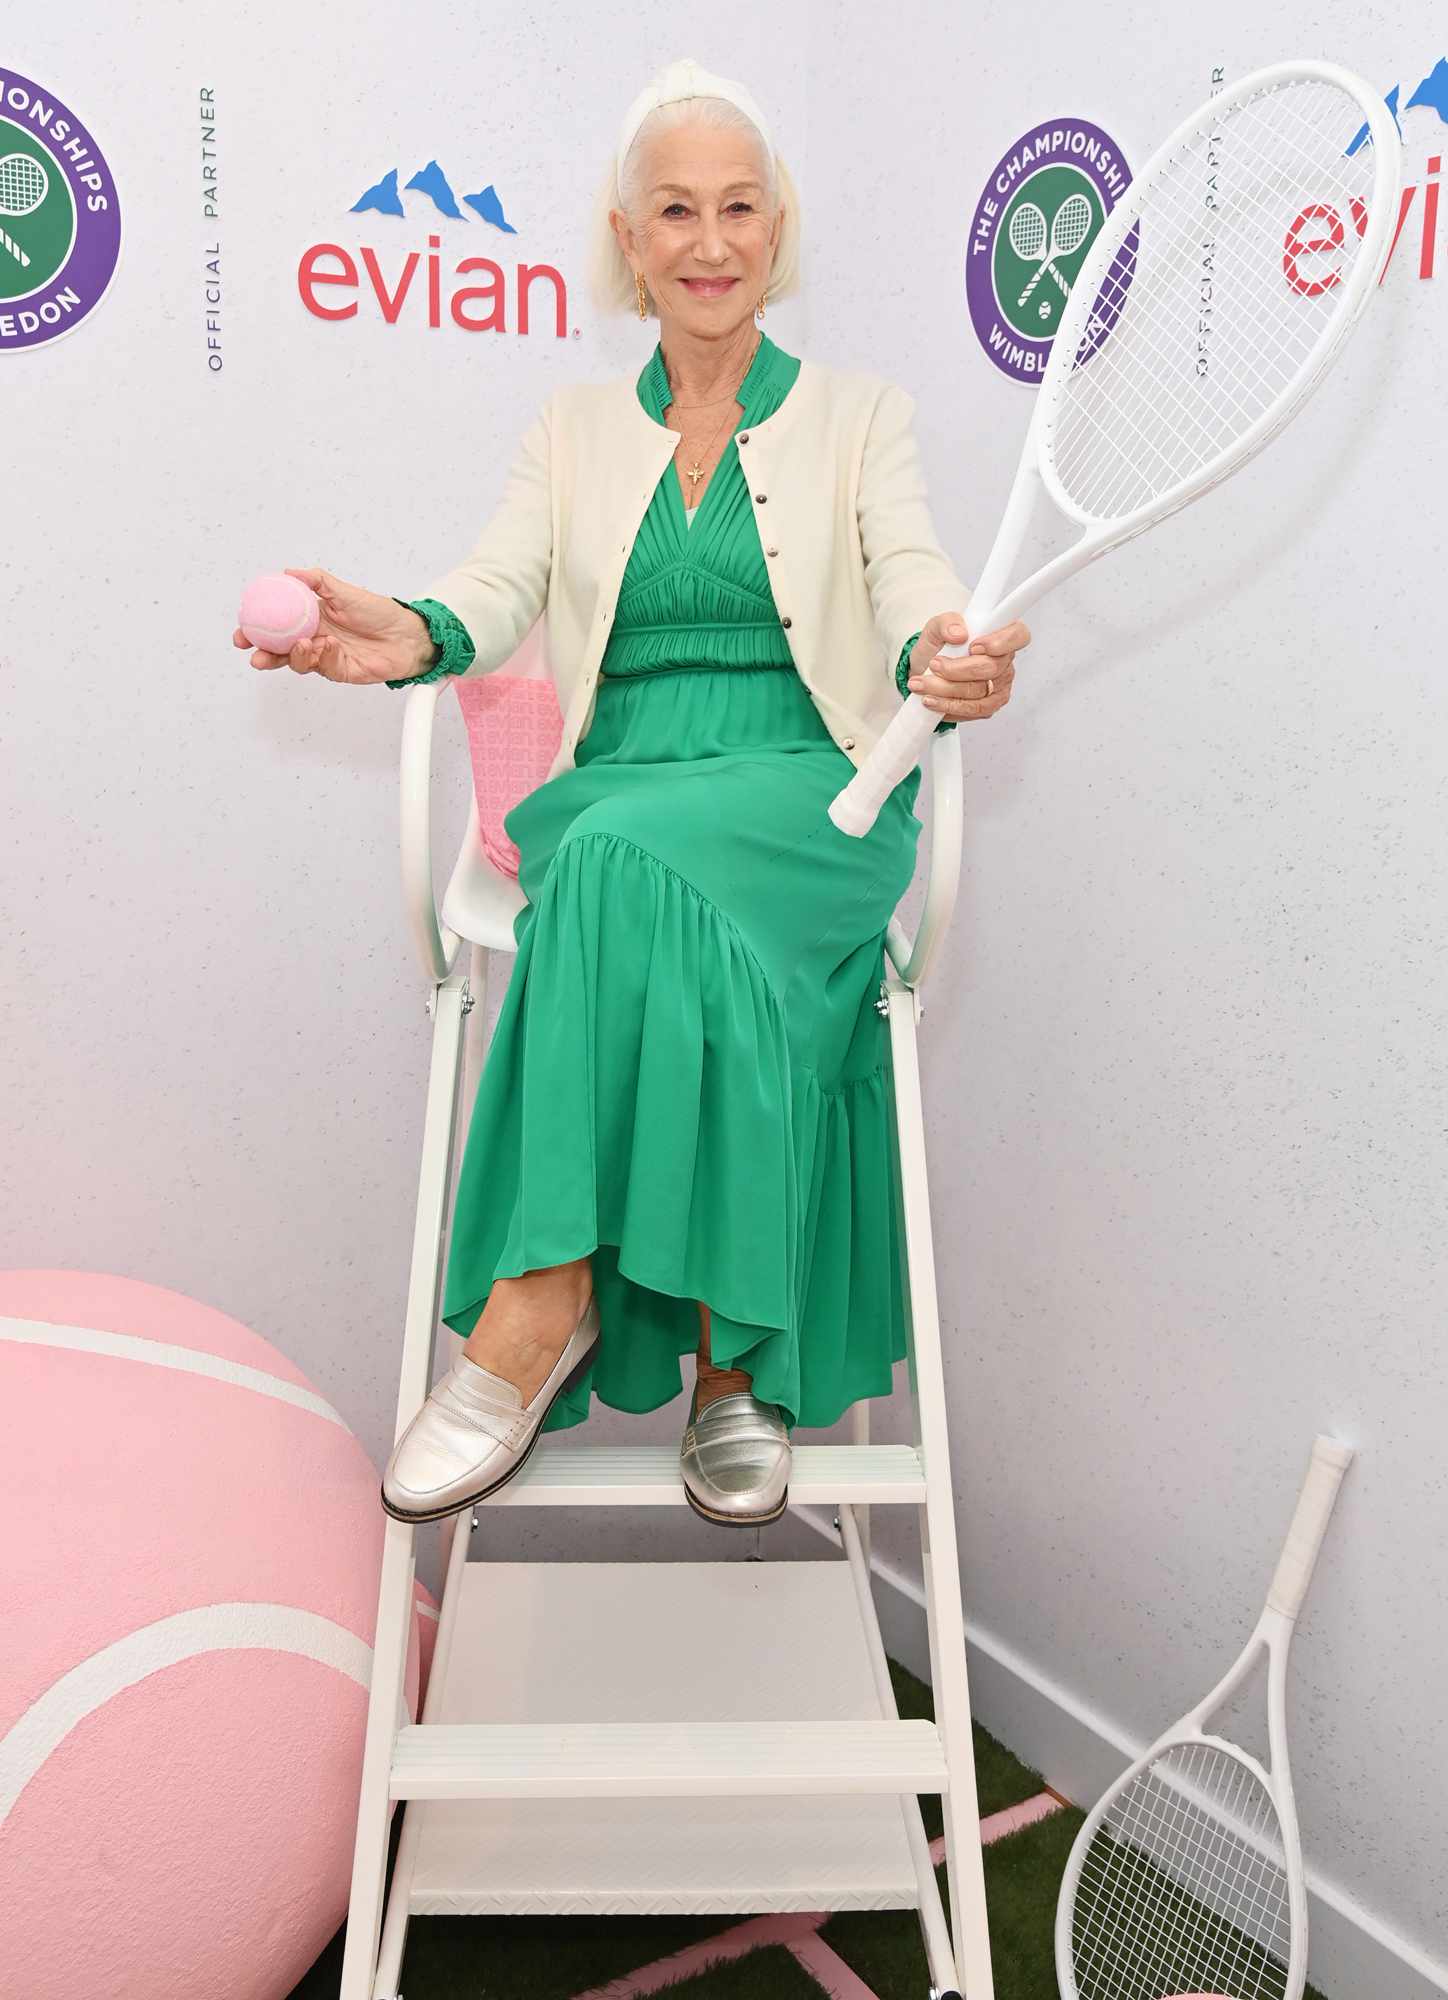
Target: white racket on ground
<point>1187,1878</point>
<point>24,185</point>
<point>1220,288</point>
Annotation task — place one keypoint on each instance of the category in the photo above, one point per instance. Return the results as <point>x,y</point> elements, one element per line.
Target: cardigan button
<point>771,552</point>
<point>744,437</point>
<point>786,621</point>
<point>849,743</point>
<point>761,496</point>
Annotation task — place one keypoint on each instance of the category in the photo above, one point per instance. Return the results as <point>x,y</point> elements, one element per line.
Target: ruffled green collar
<point>763,389</point>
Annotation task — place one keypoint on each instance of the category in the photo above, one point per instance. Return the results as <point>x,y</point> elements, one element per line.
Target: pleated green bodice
<point>697,592</point>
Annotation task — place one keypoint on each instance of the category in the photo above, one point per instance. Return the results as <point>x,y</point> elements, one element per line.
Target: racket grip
<point>855,808</point>
<point>1330,1460</point>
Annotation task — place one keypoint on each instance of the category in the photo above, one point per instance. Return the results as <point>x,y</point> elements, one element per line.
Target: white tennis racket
<point>1186,1880</point>
<point>1219,289</point>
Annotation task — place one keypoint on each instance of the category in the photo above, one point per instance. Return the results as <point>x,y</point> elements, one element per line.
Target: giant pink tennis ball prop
<point>277,611</point>
<point>190,1547</point>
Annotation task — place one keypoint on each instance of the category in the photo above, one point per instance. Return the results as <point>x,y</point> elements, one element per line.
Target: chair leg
<point>944,1610</point>
<point>456,1533</point>
<point>450,1003</point>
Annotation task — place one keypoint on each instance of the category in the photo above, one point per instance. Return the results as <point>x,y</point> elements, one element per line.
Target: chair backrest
<point>514,727</point>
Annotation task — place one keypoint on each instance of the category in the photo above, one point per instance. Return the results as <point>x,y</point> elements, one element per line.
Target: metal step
<point>560,1473</point>
<point>514,1760</point>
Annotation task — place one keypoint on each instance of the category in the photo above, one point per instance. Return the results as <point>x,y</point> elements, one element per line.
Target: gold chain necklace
<point>696,471</point>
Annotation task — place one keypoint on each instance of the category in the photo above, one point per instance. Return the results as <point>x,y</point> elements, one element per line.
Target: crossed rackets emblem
<point>1069,227</point>
<point>24,185</point>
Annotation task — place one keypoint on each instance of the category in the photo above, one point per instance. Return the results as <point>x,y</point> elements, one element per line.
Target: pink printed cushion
<point>189,1562</point>
<point>514,727</point>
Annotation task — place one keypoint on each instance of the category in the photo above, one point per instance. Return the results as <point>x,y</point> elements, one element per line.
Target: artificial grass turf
<point>553,1958</point>
<point>771,1973</point>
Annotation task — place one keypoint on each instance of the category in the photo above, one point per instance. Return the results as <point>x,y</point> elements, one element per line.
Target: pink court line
<point>798,1930</point>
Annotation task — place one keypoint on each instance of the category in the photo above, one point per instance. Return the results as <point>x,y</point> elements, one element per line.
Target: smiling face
<point>704,237</point>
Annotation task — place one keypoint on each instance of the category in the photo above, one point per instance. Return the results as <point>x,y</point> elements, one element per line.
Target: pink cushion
<point>514,727</point>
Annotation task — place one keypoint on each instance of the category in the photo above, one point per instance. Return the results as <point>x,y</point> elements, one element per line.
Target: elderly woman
<point>681,1137</point>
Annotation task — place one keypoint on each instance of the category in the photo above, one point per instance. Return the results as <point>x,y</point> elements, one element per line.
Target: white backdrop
<point>1184,1048</point>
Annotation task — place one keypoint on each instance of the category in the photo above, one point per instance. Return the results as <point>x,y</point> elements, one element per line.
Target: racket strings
<point>1028,230</point>
<point>1184,1886</point>
<point>1206,423</point>
<point>1199,327</point>
<point>1259,201</point>
<point>1070,224</point>
<point>1261,198</point>
<point>22,184</point>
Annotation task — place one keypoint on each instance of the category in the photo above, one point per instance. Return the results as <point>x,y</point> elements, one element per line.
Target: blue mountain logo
<point>382,198</point>
<point>1431,93</point>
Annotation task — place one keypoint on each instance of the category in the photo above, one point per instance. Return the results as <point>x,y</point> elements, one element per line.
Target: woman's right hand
<point>361,636</point>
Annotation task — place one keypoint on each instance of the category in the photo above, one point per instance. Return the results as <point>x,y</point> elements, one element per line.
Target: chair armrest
<point>437,944</point>
<point>947,820</point>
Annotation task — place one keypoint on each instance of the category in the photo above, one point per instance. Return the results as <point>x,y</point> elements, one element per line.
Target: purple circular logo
<point>60,220</point>
<point>1040,211</point>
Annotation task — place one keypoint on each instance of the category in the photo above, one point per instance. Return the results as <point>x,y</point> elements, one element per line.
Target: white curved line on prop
<point>208,1628</point>
<point>166,1354</point>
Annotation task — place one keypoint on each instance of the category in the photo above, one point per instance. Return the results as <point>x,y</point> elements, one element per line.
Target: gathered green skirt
<point>689,1081</point>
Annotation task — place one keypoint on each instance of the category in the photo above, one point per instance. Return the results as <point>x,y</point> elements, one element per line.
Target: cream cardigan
<point>843,518</point>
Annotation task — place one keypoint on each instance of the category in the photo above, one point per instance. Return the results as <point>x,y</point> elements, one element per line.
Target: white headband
<point>684,79</point>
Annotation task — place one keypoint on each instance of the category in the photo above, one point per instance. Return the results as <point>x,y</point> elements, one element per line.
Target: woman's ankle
<point>711,1381</point>
<point>524,1326</point>
<point>714,1382</point>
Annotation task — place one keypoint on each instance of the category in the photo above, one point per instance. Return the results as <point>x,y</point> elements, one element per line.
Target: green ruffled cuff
<point>453,648</point>
<point>902,675</point>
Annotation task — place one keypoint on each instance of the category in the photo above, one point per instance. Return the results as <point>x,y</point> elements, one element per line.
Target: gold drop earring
<point>643,302</point>
<point>759,309</point>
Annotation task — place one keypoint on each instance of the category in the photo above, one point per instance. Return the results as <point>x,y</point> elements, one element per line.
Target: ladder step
<point>513,1760</point>
<point>563,1474</point>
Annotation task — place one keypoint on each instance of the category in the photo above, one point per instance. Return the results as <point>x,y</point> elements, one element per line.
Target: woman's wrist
<point>426,651</point>
<point>903,671</point>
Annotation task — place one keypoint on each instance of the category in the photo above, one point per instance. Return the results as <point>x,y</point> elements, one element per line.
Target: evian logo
<point>479,294</point>
<point>1319,230</point>
<point>1429,96</point>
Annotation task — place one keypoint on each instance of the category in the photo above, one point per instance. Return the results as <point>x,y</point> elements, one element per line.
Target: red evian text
<point>1317,231</point>
<point>327,271</point>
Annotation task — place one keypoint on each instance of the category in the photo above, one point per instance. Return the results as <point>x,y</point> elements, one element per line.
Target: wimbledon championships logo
<point>60,224</point>
<point>1041,210</point>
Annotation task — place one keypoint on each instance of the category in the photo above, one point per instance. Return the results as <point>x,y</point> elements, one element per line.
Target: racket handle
<point>856,807</point>
<point>1035,280</point>
<point>1330,1460</point>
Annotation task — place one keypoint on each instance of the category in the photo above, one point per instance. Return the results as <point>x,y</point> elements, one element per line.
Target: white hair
<point>611,280</point>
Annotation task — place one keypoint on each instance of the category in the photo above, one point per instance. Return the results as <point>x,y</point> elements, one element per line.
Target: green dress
<point>689,1079</point>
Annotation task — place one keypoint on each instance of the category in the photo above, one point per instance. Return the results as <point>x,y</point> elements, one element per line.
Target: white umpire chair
<point>663,1737</point>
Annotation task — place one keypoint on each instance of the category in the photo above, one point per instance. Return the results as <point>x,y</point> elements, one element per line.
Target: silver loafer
<point>735,1460</point>
<point>475,1431</point>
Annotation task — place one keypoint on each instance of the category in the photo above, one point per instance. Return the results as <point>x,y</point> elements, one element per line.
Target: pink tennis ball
<point>189,1559</point>
<point>277,611</point>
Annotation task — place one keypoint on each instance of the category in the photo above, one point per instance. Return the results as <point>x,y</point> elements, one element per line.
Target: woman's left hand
<point>954,688</point>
